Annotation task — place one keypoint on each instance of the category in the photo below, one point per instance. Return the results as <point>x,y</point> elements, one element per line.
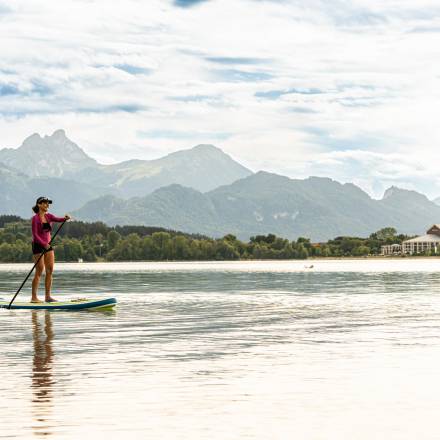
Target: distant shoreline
<point>273,260</point>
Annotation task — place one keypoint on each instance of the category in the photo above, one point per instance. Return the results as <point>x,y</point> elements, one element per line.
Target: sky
<point>344,89</point>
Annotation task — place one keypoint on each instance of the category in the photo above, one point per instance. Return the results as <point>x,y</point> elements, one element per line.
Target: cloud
<point>275,94</point>
<point>183,135</point>
<point>426,29</point>
<point>24,88</point>
<point>19,112</point>
<point>4,9</point>
<point>9,89</point>
<point>194,98</point>
<point>364,101</point>
<point>344,16</point>
<point>236,60</point>
<point>126,108</point>
<point>188,3</point>
<point>134,70</point>
<point>281,85</point>
<point>340,143</point>
<point>40,88</point>
<point>376,172</point>
<point>235,75</point>
<point>303,110</point>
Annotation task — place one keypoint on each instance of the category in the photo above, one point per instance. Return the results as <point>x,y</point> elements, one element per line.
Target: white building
<point>428,242</point>
<point>391,249</point>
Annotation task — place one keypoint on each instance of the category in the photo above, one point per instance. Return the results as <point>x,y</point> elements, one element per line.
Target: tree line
<point>98,242</point>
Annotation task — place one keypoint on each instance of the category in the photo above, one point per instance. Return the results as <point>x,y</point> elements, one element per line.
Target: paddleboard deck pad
<point>73,304</point>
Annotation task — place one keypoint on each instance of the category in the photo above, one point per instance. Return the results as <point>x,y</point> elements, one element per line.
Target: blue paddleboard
<point>73,304</point>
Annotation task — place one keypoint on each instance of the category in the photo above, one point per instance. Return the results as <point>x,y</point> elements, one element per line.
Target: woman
<point>41,227</point>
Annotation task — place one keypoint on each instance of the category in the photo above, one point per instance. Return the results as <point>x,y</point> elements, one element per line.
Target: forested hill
<point>318,208</point>
<point>99,242</point>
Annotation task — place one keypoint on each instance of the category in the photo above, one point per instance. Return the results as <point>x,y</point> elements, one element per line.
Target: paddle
<point>35,265</point>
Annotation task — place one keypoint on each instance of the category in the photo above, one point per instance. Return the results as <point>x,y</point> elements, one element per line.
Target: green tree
<point>225,251</point>
<point>207,249</point>
<point>8,237</point>
<point>181,246</point>
<point>6,253</point>
<point>361,250</point>
<point>270,238</point>
<point>162,245</point>
<point>89,254</point>
<point>384,233</point>
<point>279,243</point>
<point>301,252</point>
<point>72,249</point>
<point>326,251</point>
<point>147,249</point>
<point>287,251</point>
<point>112,239</point>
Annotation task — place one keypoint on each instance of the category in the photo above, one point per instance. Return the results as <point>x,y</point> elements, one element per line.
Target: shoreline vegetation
<point>97,242</point>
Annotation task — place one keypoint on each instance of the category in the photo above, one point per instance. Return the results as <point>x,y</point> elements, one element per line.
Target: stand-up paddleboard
<point>73,304</point>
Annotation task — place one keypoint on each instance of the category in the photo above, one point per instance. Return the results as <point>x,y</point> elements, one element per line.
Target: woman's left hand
<point>67,217</point>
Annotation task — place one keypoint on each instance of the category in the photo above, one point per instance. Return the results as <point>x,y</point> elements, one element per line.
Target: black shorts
<point>38,249</point>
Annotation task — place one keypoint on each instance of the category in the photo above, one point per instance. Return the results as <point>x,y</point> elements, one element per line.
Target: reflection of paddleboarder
<point>42,370</point>
<point>41,228</point>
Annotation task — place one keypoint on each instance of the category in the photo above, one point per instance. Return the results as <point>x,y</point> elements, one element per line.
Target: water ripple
<point>226,351</point>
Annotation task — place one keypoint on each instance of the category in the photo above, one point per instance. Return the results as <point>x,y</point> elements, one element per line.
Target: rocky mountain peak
<point>31,141</point>
<point>51,156</point>
<point>206,148</point>
<point>396,194</point>
<point>390,192</point>
<point>58,134</point>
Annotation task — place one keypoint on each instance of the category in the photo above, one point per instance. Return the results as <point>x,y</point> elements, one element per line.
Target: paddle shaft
<point>35,265</point>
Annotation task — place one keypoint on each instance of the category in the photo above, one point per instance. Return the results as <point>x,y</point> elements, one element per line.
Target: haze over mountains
<point>317,207</point>
<point>203,167</point>
<point>48,156</point>
<point>201,190</point>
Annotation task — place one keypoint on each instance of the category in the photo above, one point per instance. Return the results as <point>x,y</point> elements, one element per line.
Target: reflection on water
<point>42,380</point>
<point>218,353</point>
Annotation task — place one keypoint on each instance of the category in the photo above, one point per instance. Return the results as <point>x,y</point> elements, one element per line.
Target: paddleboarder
<point>41,229</point>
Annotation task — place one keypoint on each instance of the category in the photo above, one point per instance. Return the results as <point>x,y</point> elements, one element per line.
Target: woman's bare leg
<point>36,281</point>
<point>49,262</point>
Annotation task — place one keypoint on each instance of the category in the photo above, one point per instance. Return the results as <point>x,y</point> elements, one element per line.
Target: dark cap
<point>43,199</point>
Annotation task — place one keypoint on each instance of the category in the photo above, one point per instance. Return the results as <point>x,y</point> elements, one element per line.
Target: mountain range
<point>318,208</point>
<point>203,167</point>
<point>200,190</point>
<point>56,166</point>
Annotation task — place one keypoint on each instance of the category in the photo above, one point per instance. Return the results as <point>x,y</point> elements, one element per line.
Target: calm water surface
<point>260,350</point>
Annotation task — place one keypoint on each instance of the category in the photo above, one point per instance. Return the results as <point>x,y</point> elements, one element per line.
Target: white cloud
<point>285,86</point>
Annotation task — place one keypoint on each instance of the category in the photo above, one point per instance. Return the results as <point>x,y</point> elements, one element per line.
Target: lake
<point>346,349</point>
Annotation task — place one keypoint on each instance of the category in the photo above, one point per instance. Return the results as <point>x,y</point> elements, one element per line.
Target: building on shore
<point>430,242</point>
<point>391,249</point>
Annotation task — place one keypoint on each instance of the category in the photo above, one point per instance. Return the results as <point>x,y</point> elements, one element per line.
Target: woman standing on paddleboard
<point>41,228</point>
